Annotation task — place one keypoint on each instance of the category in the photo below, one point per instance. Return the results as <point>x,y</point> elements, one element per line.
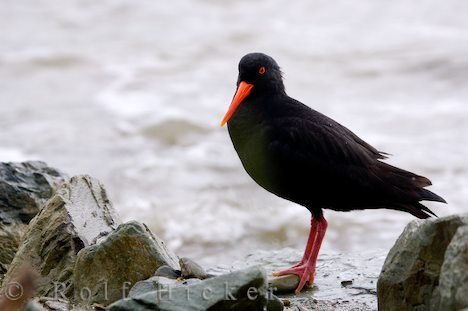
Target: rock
<point>190,269</point>
<point>284,284</point>
<point>410,274</point>
<point>158,283</point>
<point>239,290</point>
<point>105,272</point>
<point>58,304</point>
<point>34,306</point>
<point>10,237</point>
<point>24,188</point>
<point>274,304</point>
<point>168,272</point>
<point>346,283</point>
<point>452,293</point>
<point>151,284</point>
<point>76,216</point>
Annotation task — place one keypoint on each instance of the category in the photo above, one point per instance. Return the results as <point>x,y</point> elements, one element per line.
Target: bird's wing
<point>321,151</point>
<point>320,141</point>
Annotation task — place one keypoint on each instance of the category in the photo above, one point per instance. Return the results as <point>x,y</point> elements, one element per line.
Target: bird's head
<point>258,74</point>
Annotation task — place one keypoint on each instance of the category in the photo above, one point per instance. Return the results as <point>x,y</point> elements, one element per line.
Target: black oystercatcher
<point>303,156</point>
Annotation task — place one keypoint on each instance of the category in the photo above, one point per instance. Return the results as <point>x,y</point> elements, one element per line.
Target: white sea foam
<point>13,155</point>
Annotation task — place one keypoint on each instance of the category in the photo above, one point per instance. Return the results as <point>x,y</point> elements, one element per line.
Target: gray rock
<point>105,272</point>
<point>274,304</point>
<point>239,290</point>
<point>58,304</point>
<point>410,274</point>
<point>190,269</point>
<point>158,283</point>
<point>34,306</point>
<point>76,216</point>
<point>151,284</point>
<point>452,293</point>
<point>168,272</point>
<point>24,188</point>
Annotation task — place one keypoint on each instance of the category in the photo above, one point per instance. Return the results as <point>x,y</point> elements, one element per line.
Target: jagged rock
<point>106,271</point>
<point>10,236</point>
<point>452,293</point>
<point>410,274</point>
<point>24,188</point>
<point>239,290</point>
<point>76,216</point>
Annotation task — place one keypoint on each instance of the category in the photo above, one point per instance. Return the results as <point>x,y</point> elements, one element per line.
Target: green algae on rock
<point>411,275</point>
<point>105,272</point>
<point>24,188</point>
<point>76,216</point>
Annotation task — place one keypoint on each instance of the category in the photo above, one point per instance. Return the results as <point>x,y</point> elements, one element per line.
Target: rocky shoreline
<point>64,246</point>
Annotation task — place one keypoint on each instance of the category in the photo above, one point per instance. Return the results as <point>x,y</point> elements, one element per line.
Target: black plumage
<point>304,156</point>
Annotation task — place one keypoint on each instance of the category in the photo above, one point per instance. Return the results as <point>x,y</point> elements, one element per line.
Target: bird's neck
<point>254,112</point>
<point>270,90</point>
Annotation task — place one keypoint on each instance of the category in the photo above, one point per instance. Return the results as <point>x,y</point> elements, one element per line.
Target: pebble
<point>284,283</point>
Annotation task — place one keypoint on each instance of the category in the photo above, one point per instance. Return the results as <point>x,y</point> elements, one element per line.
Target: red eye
<point>261,70</point>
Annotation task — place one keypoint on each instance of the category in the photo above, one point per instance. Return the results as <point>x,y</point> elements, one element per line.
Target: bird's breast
<point>251,142</point>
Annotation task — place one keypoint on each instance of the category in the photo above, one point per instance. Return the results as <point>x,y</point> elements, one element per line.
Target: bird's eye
<point>261,70</point>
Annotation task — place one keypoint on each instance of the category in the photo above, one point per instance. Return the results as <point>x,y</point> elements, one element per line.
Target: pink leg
<point>310,243</point>
<point>306,270</point>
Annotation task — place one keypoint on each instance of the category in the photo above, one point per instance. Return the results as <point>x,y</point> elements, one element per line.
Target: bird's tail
<point>428,195</point>
<point>409,189</point>
<point>416,209</point>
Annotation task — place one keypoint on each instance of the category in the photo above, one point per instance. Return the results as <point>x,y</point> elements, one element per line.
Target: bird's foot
<point>303,271</point>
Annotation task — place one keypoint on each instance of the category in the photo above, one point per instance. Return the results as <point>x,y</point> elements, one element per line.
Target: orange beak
<point>243,90</point>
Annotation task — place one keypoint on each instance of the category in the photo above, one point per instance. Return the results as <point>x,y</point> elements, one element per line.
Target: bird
<point>303,156</point>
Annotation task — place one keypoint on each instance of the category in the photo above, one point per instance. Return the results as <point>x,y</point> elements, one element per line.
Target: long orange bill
<point>243,90</point>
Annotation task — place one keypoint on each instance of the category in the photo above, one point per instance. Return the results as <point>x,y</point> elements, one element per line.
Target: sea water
<point>132,92</point>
